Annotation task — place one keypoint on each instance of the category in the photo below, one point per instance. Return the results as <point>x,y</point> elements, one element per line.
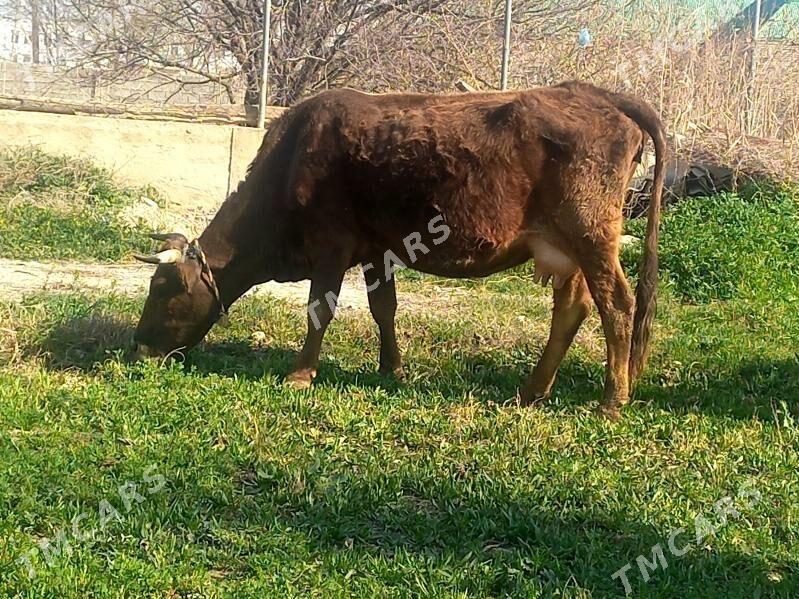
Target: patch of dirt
<point>21,278</point>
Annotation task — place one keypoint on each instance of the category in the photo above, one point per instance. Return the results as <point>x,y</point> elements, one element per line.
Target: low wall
<point>195,166</point>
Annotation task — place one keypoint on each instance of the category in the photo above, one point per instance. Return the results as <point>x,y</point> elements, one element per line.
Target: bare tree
<point>30,11</point>
<point>316,43</point>
<point>219,40</point>
<point>372,44</point>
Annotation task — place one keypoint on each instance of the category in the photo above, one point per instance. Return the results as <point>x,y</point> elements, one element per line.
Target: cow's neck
<point>233,243</point>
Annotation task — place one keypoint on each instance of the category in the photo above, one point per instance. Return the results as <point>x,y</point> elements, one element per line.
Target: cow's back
<point>493,165</point>
<point>484,161</point>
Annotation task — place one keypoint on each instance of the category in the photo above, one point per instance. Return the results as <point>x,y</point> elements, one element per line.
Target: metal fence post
<point>265,64</point>
<point>751,117</point>
<point>506,44</point>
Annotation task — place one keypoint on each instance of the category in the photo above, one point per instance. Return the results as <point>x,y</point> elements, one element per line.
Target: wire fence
<point>695,61</point>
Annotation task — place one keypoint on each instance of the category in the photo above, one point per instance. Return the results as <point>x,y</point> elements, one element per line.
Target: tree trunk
<point>252,94</point>
<point>35,31</point>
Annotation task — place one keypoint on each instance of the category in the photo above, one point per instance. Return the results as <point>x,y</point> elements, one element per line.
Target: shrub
<point>55,207</point>
<point>729,245</point>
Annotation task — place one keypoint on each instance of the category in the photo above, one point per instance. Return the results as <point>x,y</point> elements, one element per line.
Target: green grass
<point>731,245</point>
<point>434,487</point>
<point>437,486</point>
<point>54,207</point>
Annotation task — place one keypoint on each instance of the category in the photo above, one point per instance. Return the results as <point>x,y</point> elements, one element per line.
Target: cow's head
<point>184,301</point>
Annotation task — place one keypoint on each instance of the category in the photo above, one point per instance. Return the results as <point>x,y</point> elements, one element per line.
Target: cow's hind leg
<point>614,299</point>
<point>572,305</point>
<point>322,301</point>
<point>383,305</point>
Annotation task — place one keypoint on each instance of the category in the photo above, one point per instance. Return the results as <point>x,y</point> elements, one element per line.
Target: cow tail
<point>646,291</point>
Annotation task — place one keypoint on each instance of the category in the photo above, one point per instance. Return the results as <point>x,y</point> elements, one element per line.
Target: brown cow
<point>457,185</point>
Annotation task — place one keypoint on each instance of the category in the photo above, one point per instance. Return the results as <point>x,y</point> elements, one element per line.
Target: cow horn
<point>171,256</point>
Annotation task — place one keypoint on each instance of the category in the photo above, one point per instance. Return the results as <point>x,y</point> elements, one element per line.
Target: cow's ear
<point>170,241</point>
<point>174,237</point>
<point>172,250</point>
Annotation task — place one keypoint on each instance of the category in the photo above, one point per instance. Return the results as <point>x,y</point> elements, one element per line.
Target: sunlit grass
<point>55,208</point>
<point>438,485</point>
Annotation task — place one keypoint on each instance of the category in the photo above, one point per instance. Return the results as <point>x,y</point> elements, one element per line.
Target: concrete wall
<point>195,166</point>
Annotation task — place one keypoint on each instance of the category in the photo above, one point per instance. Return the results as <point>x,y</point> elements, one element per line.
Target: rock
<point>145,212</point>
<point>629,240</point>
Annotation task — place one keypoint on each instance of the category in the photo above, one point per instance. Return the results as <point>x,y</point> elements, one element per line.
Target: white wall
<point>195,166</point>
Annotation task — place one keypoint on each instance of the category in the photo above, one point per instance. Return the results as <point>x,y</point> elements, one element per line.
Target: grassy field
<point>437,486</point>
<point>57,208</point>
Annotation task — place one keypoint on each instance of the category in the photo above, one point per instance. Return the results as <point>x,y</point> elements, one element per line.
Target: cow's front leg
<point>322,301</point>
<point>383,305</point>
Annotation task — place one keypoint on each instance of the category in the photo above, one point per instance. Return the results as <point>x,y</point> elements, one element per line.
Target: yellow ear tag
<point>223,321</point>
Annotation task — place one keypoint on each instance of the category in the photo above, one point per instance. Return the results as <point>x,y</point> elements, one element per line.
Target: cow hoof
<point>612,413</point>
<point>528,399</point>
<point>392,373</point>
<point>301,379</point>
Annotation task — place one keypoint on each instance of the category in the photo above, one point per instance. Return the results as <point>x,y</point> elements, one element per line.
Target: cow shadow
<point>751,388</point>
<point>84,343</point>
<point>81,343</point>
<point>247,361</point>
<point>500,543</point>
<point>759,388</point>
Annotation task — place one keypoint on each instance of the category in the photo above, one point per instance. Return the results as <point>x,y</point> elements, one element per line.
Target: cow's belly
<point>553,263</point>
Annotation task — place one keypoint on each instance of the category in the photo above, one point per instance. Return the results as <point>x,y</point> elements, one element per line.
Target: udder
<point>551,263</point>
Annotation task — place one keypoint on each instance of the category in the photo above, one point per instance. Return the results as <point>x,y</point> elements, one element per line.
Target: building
<point>15,40</point>
<point>60,39</point>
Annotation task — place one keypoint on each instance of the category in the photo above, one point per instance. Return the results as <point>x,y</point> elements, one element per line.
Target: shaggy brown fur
<point>344,177</point>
